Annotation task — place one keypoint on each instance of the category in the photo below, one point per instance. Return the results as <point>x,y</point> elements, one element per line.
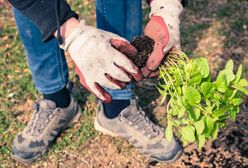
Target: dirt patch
<point>144,45</point>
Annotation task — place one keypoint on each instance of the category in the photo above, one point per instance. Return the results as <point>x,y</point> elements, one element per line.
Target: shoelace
<point>142,123</point>
<point>39,120</point>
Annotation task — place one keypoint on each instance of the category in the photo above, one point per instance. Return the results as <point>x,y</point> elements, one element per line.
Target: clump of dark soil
<point>144,45</point>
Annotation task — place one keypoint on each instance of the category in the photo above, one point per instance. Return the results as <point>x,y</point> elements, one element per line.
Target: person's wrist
<point>67,27</point>
<point>72,35</point>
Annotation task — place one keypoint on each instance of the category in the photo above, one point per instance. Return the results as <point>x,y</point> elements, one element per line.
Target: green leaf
<point>221,83</point>
<point>223,117</point>
<point>185,142</point>
<point>197,113</point>
<point>191,113</point>
<point>174,110</point>
<point>225,77</point>
<point>216,98</point>
<point>181,112</point>
<point>215,131</point>
<point>188,133</point>
<point>238,74</point>
<point>229,65</point>
<point>222,124</point>
<point>233,113</point>
<point>230,94</point>
<point>229,76</point>
<point>178,101</point>
<point>191,69</point>
<point>242,89</point>
<point>195,80</point>
<point>209,123</point>
<point>236,101</point>
<point>185,121</point>
<point>242,83</point>
<point>201,139</point>
<point>202,64</point>
<point>169,132</point>
<point>228,72</point>
<point>177,122</point>
<point>209,109</point>
<point>193,96</point>
<point>207,79</point>
<point>199,126</point>
<point>221,111</point>
<point>207,89</point>
<point>185,102</point>
<point>177,78</point>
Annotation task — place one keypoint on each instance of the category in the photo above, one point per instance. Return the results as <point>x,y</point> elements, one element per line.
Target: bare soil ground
<point>215,29</point>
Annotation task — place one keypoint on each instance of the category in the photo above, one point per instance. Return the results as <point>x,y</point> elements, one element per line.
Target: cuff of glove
<point>183,2</point>
<point>166,7</point>
<point>73,35</point>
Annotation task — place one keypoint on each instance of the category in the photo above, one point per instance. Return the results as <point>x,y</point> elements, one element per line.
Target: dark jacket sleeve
<point>185,3</point>
<point>43,14</point>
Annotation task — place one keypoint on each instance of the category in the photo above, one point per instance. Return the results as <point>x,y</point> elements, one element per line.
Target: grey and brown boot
<point>133,125</point>
<point>46,124</point>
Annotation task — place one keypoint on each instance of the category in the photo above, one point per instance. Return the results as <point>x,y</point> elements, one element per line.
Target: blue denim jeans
<point>47,61</point>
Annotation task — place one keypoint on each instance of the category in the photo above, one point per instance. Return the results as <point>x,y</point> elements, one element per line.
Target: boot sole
<point>31,160</point>
<point>21,160</point>
<point>176,157</point>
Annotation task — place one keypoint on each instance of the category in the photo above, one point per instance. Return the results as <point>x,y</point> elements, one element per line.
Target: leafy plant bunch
<point>197,106</point>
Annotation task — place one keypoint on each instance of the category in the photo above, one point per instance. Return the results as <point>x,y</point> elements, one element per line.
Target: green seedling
<point>199,106</point>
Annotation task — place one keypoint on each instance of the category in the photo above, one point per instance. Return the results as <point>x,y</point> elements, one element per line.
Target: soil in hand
<point>144,45</point>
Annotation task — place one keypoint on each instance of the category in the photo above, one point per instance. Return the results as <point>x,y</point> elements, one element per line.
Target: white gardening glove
<point>100,60</point>
<point>163,28</point>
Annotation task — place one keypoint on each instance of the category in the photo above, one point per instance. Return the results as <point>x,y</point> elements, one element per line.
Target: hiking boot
<point>46,124</point>
<point>133,125</point>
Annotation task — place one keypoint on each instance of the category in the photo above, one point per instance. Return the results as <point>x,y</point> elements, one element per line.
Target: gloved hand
<point>163,28</point>
<point>100,59</point>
